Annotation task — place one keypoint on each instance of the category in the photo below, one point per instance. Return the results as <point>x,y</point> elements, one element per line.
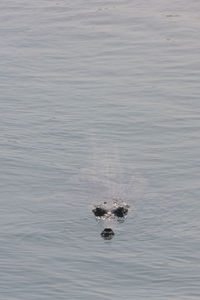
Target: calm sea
<point>99,99</point>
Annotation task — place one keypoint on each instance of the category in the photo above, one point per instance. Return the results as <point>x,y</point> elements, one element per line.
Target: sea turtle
<point>108,211</point>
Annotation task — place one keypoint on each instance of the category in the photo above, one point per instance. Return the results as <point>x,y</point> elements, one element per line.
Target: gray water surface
<point>99,99</point>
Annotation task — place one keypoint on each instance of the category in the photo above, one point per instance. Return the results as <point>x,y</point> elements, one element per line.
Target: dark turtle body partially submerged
<point>111,210</point>
<point>120,211</point>
<point>99,211</point>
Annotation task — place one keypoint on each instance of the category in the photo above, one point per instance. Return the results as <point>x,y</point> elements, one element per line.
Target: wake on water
<point>109,184</point>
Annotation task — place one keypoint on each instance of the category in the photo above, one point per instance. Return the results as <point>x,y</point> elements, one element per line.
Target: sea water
<point>99,99</point>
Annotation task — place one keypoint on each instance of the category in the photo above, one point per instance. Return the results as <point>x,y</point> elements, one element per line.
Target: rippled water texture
<point>99,99</point>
